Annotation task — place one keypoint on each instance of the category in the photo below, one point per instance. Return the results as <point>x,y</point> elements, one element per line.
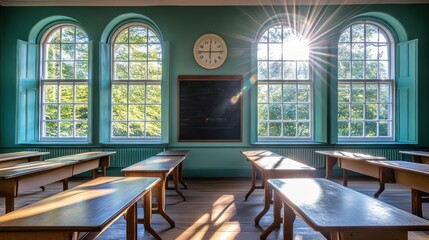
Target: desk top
<point>417,153</point>
<point>420,168</point>
<point>255,153</point>
<point>278,163</point>
<point>328,206</point>
<point>350,155</point>
<point>156,164</point>
<point>80,157</point>
<point>30,168</point>
<point>20,155</point>
<point>173,153</point>
<point>89,207</point>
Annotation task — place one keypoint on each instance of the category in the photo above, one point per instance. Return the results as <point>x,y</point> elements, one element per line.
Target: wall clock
<point>210,51</point>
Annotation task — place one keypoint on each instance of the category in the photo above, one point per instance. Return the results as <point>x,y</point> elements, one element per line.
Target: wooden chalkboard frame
<point>224,129</point>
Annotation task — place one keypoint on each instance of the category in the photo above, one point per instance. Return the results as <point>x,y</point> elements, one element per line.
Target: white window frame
<point>131,82</point>
<point>390,81</point>
<point>44,81</point>
<point>284,82</point>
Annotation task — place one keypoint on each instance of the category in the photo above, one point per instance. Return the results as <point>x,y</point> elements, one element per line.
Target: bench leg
<point>147,212</point>
<point>10,204</point>
<point>380,190</point>
<point>160,198</point>
<point>252,188</point>
<point>345,177</point>
<point>288,219</point>
<point>181,176</point>
<point>416,202</point>
<point>131,221</point>
<point>330,162</point>
<point>176,176</point>
<point>277,207</point>
<point>267,201</point>
<point>65,184</point>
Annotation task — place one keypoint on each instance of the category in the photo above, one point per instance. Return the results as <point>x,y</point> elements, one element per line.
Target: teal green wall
<point>181,26</point>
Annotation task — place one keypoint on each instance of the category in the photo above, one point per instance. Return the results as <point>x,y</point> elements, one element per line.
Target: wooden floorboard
<point>215,209</point>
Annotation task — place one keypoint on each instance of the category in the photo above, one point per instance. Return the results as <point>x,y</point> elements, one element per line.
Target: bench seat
<point>81,212</point>
<point>338,212</point>
<point>13,158</point>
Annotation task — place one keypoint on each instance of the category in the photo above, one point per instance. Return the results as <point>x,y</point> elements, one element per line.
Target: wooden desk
<point>413,175</point>
<point>24,176</point>
<point>82,212</point>
<point>338,212</point>
<point>417,156</point>
<point>183,153</point>
<point>87,161</point>
<point>13,158</point>
<point>157,166</point>
<point>255,153</point>
<point>356,162</point>
<point>278,167</point>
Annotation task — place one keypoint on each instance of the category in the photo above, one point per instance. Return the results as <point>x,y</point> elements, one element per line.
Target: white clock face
<point>210,51</point>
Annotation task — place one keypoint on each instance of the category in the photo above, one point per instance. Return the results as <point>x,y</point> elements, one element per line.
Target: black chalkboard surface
<point>210,108</point>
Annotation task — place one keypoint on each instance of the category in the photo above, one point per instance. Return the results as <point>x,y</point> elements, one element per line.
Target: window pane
<point>82,112</point>
<point>303,129</point>
<point>137,93</point>
<point>66,92</point>
<point>356,129</point>
<point>304,93</point>
<point>358,33</point>
<point>358,93</point>
<point>275,129</point>
<point>303,112</point>
<point>121,71</point>
<point>345,36</point>
<point>154,52</point>
<point>119,112</point>
<point>51,112</point>
<point>53,70</point>
<point>66,112</point>
<point>371,52</point>
<point>371,93</point>
<point>82,70</point>
<point>51,129</point>
<point>370,129</point>
<point>289,112</point>
<point>67,35</point>
<point>275,34</point>
<point>275,94</point>
<point>119,129</point>
<point>67,52</point>
<point>153,112</point>
<point>262,70</point>
<point>357,111</point>
<point>155,71</point>
<point>275,70</point>
<point>81,36</point>
<point>67,70</point>
<point>343,93</point>
<point>371,33</point>
<point>262,51</point>
<point>119,93</point>
<point>343,112</point>
<point>121,52</point>
<point>275,112</point>
<point>66,129</point>
<point>289,70</point>
<point>343,129</point>
<point>275,51</point>
<point>50,93</point>
<point>138,52</point>
<point>81,129</point>
<point>371,112</point>
<point>262,129</point>
<point>371,70</point>
<point>138,71</point>
<point>302,71</point>
<point>136,129</point>
<point>357,51</point>
<point>344,51</point>
<point>262,112</point>
<point>262,93</point>
<point>53,51</point>
<point>136,112</point>
<point>153,129</point>
<point>289,129</point>
<point>153,94</point>
<point>383,129</point>
<point>344,71</point>
<point>289,93</point>
<point>357,70</point>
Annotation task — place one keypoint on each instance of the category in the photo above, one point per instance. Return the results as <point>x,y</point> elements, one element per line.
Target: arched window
<point>284,93</point>
<point>136,83</point>
<point>365,83</point>
<point>64,88</point>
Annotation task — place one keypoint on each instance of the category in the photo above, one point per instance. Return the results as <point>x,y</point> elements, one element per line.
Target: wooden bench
<point>254,154</point>
<point>356,162</point>
<point>183,153</point>
<point>13,158</point>
<point>338,212</point>
<point>417,156</point>
<point>87,161</point>
<point>277,167</point>
<point>26,176</point>
<point>411,174</point>
<point>158,166</point>
<point>83,212</point>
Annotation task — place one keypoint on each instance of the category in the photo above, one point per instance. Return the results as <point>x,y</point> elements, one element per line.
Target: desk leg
<point>330,162</point>
<point>147,212</point>
<point>65,184</point>
<point>181,176</point>
<point>253,187</point>
<point>160,198</point>
<point>131,221</point>
<point>176,177</point>
<point>277,207</point>
<point>10,204</point>
<point>267,199</point>
<point>345,177</point>
<point>288,219</point>
<point>416,202</point>
<point>380,189</point>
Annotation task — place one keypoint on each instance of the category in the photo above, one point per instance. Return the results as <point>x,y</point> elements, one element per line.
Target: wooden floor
<point>215,209</point>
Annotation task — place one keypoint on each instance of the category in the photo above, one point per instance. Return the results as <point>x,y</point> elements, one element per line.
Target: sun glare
<point>296,49</point>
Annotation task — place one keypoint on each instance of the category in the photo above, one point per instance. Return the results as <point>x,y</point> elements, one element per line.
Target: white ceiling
<point>196,2</point>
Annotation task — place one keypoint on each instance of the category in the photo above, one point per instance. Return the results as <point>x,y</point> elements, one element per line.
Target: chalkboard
<point>209,108</point>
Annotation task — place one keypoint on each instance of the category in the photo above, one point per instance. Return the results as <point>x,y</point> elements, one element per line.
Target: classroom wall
<point>181,26</point>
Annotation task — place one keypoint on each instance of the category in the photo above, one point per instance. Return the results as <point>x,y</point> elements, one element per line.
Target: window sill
<point>271,143</point>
